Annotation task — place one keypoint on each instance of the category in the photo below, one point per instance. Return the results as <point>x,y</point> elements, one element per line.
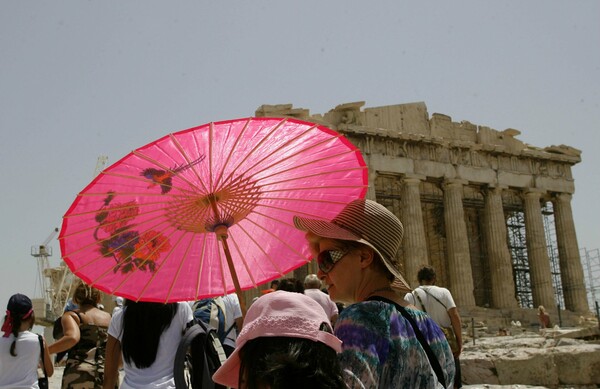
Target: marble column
<point>571,270</point>
<point>499,260</point>
<point>414,242</point>
<point>457,243</point>
<point>371,189</point>
<point>537,251</point>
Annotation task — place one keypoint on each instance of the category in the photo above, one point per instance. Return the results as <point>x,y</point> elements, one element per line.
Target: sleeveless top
<point>85,361</point>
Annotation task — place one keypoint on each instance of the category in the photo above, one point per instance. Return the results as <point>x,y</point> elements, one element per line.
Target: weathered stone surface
<point>532,359</point>
<point>479,370</point>
<point>577,366</point>
<point>525,367</point>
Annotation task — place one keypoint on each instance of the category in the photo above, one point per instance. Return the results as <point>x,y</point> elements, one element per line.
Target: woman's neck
<point>87,306</point>
<point>382,289</point>
<point>25,326</point>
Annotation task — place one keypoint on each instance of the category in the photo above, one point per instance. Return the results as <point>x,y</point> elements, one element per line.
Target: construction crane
<point>56,282</point>
<point>41,253</point>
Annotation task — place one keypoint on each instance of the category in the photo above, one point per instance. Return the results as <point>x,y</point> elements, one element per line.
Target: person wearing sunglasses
<point>386,341</point>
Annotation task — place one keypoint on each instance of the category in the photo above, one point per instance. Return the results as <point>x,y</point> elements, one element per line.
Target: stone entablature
<point>436,147</point>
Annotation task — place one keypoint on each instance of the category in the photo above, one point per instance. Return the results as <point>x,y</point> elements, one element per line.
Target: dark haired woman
<point>146,336</point>
<point>20,350</point>
<point>85,332</point>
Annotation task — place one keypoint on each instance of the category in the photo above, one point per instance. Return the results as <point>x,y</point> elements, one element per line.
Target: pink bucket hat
<point>367,222</point>
<point>279,313</point>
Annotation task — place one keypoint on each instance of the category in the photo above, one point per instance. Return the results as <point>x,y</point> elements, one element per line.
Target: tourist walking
<point>146,336</point>
<point>20,349</point>
<point>84,337</point>
<point>438,303</point>
<point>312,288</point>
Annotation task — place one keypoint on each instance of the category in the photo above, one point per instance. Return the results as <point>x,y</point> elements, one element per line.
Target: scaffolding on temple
<point>590,259</point>
<point>517,246</point>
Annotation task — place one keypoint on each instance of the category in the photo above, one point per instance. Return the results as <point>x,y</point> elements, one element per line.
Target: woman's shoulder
<point>95,317</point>
<point>74,315</point>
<point>370,313</point>
<point>380,311</point>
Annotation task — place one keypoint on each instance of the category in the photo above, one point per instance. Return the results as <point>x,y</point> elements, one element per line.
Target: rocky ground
<point>558,358</point>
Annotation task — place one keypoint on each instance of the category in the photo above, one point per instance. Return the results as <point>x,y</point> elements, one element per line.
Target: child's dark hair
<point>17,320</point>
<point>289,363</point>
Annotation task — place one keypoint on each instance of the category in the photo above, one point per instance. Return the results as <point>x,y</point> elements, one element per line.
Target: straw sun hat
<point>367,222</point>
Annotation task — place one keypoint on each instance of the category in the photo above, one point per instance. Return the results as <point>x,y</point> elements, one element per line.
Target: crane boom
<point>50,237</point>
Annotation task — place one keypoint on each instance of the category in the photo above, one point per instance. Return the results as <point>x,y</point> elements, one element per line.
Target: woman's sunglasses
<point>328,258</point>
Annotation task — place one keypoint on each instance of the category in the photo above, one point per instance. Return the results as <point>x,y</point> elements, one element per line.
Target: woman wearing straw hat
<point>386,343</point>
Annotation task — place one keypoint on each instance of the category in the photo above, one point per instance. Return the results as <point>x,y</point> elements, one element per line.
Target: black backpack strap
<point>433,361</point>
<point>42,355</point>
<point>228,330</point>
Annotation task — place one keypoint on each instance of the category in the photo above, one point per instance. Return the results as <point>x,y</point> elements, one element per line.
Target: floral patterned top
<point>380,349</point>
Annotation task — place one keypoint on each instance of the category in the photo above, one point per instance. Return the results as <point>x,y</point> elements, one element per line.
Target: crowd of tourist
<point>354,324</point>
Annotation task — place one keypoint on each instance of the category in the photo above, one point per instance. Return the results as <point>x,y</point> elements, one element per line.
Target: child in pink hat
<point>286,342</point>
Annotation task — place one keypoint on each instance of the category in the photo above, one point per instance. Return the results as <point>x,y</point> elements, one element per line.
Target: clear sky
<point>79,79</point>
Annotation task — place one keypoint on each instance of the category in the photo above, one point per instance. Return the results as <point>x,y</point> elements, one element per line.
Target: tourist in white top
<point>312,288</point>
<point>146,335</point>
<point>20,349</point>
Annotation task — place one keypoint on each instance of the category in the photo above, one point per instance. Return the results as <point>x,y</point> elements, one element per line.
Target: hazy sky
<point>79,79</point>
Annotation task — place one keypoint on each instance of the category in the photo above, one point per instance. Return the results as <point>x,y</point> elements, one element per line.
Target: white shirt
<point>232,311</point>
<point>324,300</point>
<point>160,373</point>
<point>433,308</point>
<point>20,371</point>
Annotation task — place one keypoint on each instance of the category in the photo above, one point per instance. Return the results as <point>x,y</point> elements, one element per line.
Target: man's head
<point>426,275</point>
<point>311,281</point>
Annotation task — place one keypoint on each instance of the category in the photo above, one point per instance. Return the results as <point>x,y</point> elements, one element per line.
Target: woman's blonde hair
<point>541,309</point>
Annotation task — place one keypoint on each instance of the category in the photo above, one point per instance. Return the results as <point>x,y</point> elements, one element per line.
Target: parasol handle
<point>221,232</point>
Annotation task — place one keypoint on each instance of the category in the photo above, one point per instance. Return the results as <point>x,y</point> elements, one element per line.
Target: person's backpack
<point>198,356</point>
<point>211,311</point>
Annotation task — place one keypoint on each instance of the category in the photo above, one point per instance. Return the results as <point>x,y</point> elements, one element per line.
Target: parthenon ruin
<point>473,201</point>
